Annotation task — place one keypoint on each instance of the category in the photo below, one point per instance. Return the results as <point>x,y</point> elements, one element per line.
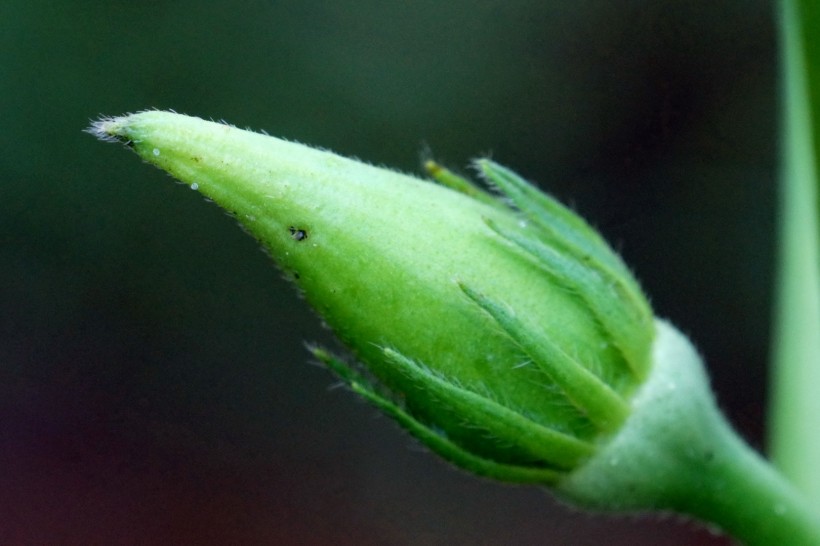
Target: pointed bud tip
<point>109,129</point>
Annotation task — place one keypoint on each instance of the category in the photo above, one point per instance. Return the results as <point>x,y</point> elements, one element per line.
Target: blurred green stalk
<point>795,404</point>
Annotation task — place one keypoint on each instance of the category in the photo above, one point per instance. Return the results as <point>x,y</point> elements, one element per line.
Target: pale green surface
<point>795,409</point>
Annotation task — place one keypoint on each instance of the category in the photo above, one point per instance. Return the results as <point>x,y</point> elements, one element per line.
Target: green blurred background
<point>154,386</point>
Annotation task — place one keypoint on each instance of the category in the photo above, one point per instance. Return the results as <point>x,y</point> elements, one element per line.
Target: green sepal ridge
<point>562,227</point>
<point>433,439</point>
<point>456,182</point>
<point>609,298</point>
<point>540,444</point>
<point>603,406</point>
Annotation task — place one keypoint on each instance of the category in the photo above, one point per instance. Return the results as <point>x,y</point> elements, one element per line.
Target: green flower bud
<point>502,332</point>
<point>508,339</point>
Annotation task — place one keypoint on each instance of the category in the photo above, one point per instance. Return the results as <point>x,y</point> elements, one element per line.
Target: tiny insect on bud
<point>297,234</point>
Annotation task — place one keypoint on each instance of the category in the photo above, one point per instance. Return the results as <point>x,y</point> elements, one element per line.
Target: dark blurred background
<point>154,386</point>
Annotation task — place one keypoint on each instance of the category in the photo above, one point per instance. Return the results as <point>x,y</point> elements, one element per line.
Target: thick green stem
<point>794,431</point>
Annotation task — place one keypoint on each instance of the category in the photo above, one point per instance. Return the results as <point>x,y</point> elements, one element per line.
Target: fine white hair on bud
<point>105,129</point>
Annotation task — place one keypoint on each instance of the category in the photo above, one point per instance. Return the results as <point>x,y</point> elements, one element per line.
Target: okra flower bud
<point>501,331</point>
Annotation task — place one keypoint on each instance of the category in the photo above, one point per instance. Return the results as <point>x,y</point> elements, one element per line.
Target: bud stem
<point>698,467</point>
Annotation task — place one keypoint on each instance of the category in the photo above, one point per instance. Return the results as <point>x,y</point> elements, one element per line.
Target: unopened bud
<point>501,331</point>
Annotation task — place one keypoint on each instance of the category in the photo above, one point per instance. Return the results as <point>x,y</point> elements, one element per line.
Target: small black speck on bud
<point>298,234</point>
